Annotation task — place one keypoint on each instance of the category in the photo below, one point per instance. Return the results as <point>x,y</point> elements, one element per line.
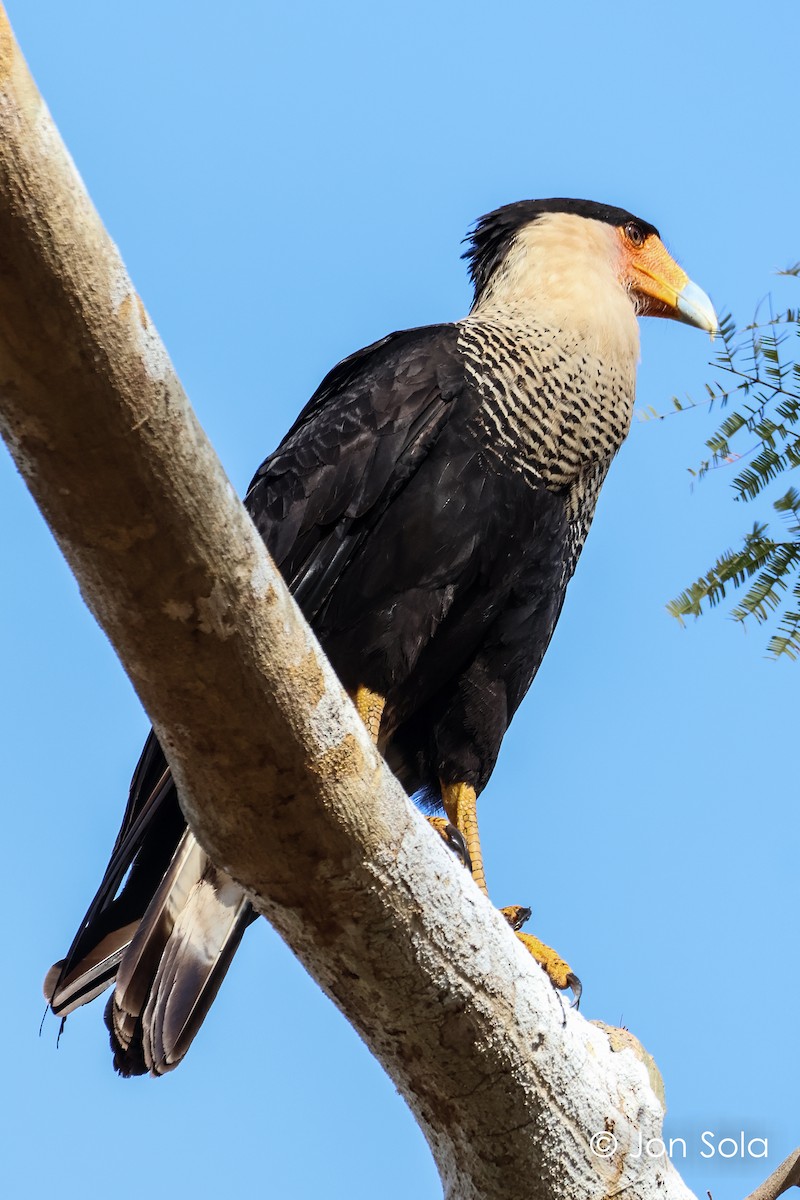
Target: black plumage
<point>427,509</point>
<point>400,538</point>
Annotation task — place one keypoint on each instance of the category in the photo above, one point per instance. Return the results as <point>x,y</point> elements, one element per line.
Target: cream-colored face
<point>659,286</point>
<point>598,276</point>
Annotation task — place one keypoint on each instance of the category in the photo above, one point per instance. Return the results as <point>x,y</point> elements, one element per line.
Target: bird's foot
<point>558,972</point>
<point>453,838</point>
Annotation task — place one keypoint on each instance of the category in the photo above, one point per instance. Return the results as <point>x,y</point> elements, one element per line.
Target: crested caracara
<point>427,509</point>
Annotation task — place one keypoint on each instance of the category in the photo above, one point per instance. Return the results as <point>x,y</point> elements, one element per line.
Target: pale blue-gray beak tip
<point>695,308</point>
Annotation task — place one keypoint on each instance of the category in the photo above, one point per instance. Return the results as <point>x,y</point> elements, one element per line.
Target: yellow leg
<point>460,804</point>
<point>370,708</point>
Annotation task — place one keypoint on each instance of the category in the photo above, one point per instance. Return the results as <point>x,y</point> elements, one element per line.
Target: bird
<point>427,510</point>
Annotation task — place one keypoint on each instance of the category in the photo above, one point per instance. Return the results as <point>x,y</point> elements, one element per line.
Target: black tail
<point>165,938</point>
<point>172,969</point>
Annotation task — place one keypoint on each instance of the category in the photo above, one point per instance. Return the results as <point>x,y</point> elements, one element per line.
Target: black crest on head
<point>493,235</point>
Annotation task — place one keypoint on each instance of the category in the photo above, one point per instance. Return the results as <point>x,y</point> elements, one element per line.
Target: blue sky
<point>287,185</point>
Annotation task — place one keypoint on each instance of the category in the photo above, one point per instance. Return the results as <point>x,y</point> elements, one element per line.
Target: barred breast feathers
<point>553,353</point>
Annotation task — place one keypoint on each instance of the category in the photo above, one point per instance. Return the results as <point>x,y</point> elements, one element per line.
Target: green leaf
<point>764,378</point>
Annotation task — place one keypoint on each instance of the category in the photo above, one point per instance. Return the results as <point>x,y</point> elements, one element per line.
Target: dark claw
<point>455,840</point>
<point>576,987</point>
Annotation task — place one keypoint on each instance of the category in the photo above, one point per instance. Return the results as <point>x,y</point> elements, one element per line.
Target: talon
<point>453,838</point>
<point>516,915</point>
<point>576,987</point>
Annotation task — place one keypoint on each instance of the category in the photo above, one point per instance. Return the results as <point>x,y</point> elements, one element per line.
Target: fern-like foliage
<point>758,375</point>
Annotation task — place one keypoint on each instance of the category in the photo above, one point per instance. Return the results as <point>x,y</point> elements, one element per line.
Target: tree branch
<point>782,1178</point>
<point>277,777</point>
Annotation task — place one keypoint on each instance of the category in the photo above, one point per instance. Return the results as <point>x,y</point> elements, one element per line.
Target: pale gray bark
<point>278,779</point>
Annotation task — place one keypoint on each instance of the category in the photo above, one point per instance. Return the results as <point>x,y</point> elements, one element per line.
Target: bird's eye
<point>634,233</point>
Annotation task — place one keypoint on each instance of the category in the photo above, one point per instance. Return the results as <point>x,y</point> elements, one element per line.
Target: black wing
<point>361,437</point>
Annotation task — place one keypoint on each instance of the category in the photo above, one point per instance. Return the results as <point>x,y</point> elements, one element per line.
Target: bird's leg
<point>460,831</point>
<point>370,706</point>
<point>460,804</point>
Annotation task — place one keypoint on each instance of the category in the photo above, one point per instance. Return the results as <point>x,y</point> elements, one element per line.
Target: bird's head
<point>584,262</point>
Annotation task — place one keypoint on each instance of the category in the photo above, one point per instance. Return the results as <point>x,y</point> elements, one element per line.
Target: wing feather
<point>361,438</point>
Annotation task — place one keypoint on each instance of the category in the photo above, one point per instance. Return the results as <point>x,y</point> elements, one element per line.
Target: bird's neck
<point>550,404</point>
<point>609,335</point>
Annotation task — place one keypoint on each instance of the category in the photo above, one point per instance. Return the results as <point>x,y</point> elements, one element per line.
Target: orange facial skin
<point>660,286</point>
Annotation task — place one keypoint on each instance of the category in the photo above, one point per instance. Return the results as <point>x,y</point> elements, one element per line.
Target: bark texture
<point>278,778</point>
